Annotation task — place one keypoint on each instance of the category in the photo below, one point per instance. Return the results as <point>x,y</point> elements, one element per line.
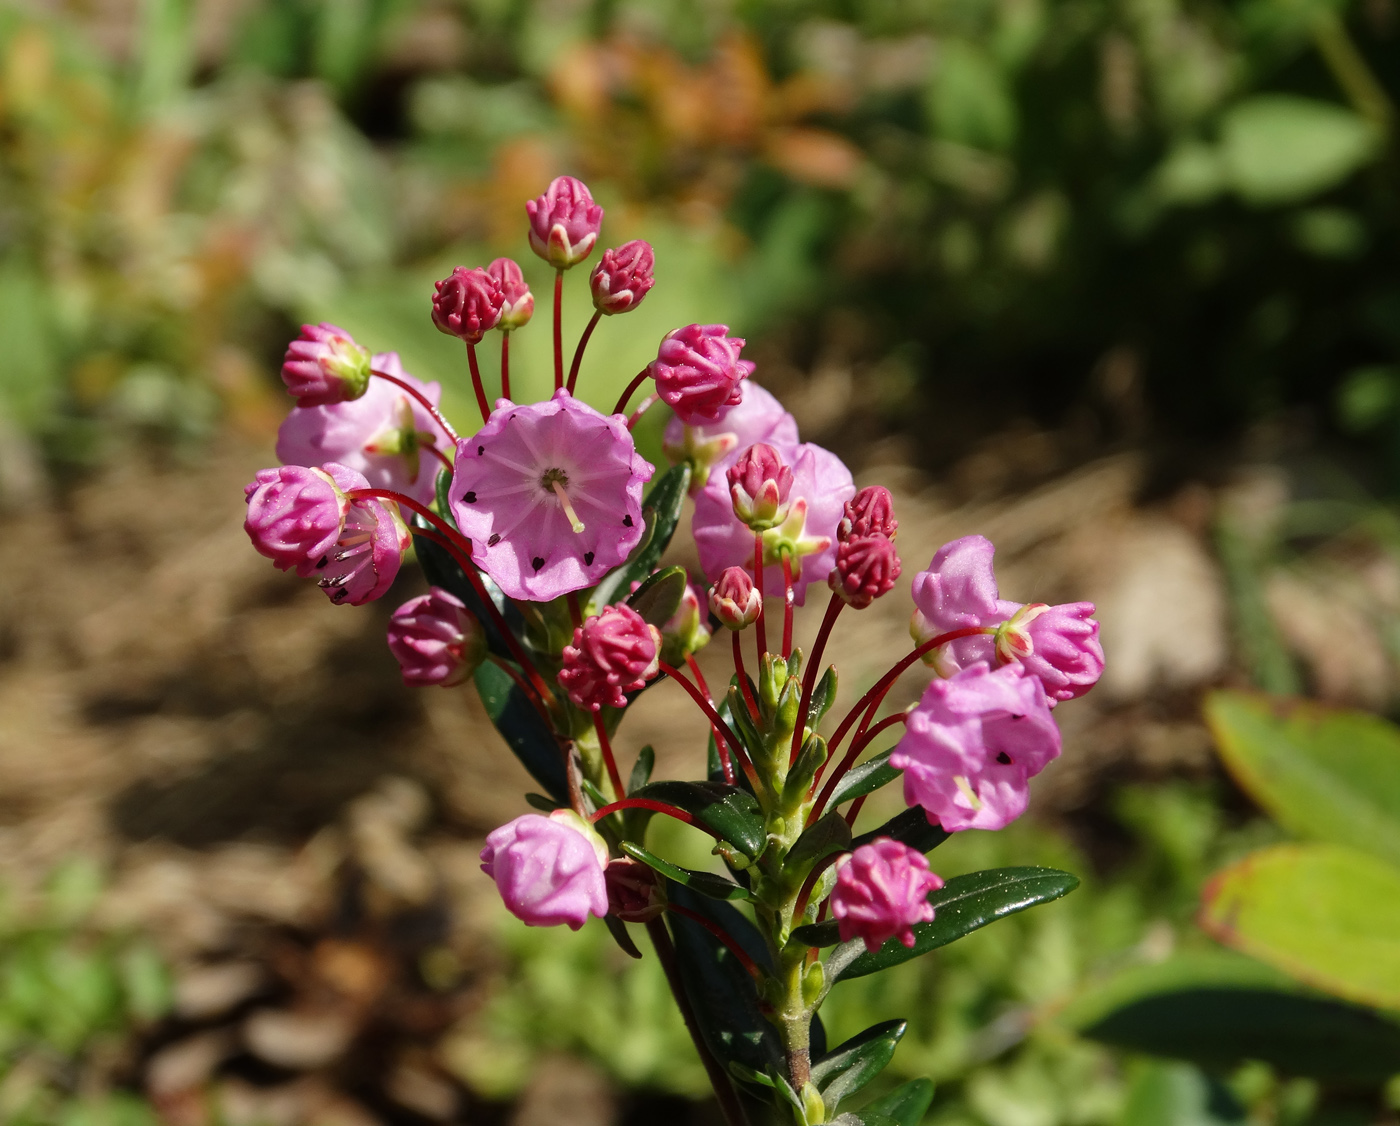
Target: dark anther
<point>1004,759</point>
<point>494,540</point>
<point>627,521</point>
<point>470,498</point>
<point>323,561</point>
<point>588,558</point>
<point>537,562</point>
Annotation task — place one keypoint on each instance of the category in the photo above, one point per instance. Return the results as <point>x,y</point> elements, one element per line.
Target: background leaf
<point>524,731</point>
<point>1278,148</point>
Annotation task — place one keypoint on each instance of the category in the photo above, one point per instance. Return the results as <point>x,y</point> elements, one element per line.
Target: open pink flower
<point>296,513</point>
<point>713,446</point>
<point>549,870</point>
<point>379,434</point>
<point>365,559</point>
<point>436,639</point>
<point>973,743</point>
<point>564,222</point>
<point>698,371</point>
<point>613,653</point>
<point>324,365</point>
<point>881,891</point>
<point>518,303</point>
<point>821,486</point>
<point>550,494</point>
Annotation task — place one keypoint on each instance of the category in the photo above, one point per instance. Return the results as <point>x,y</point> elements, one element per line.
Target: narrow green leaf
<point>963,905</point>
<point>641,769</point>
<point>823,696</point>
<point>524,731</point>
<point>729,811</point>
<point>910,827</point>
<point>830,834</point>
<point>846,1069</point>
<point>659,595</point>
<point>706,883</point>
<point>865,778</point>
<point>905,1105</point>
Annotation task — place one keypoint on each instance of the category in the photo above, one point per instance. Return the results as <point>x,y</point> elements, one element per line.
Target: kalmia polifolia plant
<point>548,591</point>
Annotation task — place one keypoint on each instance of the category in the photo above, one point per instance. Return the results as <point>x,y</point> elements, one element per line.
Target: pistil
<point>574,521</point>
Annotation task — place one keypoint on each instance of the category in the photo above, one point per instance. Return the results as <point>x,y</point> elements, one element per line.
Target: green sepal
<point>846,1069</point>
<point>771,1079</point>
<point>742,724</point>
<point>906,1105</point>
<point>799,779</point>
<point>441,485</point>
<point>911,827</point>
<point>866,778</point>
<point>524,731</point>
<point>661,512</point>
<point>659,595</point>
<point>542,803</point>
<point>596,797</point>
<point>823,696</point>
<point>641,769</point>
<point>706,883</point>
<point>618,929</point>
<point>965,904</point>
<point>732,813</point>
<point>830,834</point>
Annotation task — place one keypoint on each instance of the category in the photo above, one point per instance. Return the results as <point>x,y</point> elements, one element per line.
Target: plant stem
<point>505,364</point>
<point>788,595</point>
<point>730,942</point>
<point>715,720</point>
<point>636,415</point>
<point>809,677</point>
<point>603,742</point>
<point>481,402</point>
<point>423,401</point>
<point>726,763</point>
<point>743,674</point>
<point>761,637</point>
<point>558,329</point>
<point>637,381</point>
<point>656,807</point>
<point>578,352</point>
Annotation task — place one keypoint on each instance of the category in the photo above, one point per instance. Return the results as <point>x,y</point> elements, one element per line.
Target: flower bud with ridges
<point>517,302</point>
<point>623,277</point>
<point>296,513</point>
<point>613,653</point>
<point>866,568</point>
<point>869,513</point>
<point>564,222</point>
<point>468,303</point>
<point>635,892</point>
<point>324,365</point>
<point>549,870</point>
<point>881,892</point>
<point>698,371</point>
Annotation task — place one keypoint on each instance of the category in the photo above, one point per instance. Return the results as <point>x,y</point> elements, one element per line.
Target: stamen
<point>968,792</point>
<point>574,521</point>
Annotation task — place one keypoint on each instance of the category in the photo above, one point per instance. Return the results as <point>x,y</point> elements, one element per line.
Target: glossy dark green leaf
<point>542,803</point>
<point>866,778</point>
<point>659,595</point>
<point>706,883</point>
<point>904,1106</point>
<point>524,731</point>
<point>729,811</point>
<point>963,905</point>
<point>641,769</point>
<point>910,827</point>
<point>846,1069</point>
<point>618,929</point>
<point>823,696</point>
<point>863,1118</point>
<point>442,485</point>
<point>830,834</point>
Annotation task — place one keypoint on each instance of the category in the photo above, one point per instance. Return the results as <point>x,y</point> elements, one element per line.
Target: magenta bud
<point>518,303</point>
<point>436,639</point>
<point>735,600</point>
<point>468,303</point>
<point>635,893</point>
<point>698,371</point>
<point>869,513</point>
<point>549,870</point>
<point>613,653</point>
<point>881,892</point>
<point>295,514</point>
<point>324,365</point>
<point>564,222</point>
<point>623,277</point>
<point>759,485</point>
<point>866,568</point>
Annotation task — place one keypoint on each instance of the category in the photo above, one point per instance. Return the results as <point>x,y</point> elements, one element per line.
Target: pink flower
<point>881,891</point>
<point>734,599</point>
<point>364,561</point>
<point>867,567</point>
<point>550,494</point>
<point>972,744</point>
<point>623,277</point>
<point>378,434</point>
<point>518,303</point>
<point>635,892</point>
<point>564,222</point>
<point>698,371</point>
<point>869,513</point>
<point>549,870</point>
<point>324,365</point>
<point>1058,644</point>
<point>821,485</point>
<point>759,485</point>
<point>467,303</point>
<point>436,639</point>
<point>713,446</point>
<point>295,514</point>
<point>613,653</point>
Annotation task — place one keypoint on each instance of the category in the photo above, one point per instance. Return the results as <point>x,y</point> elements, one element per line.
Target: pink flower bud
<point>869,513</point>
<point>295,514</point>
<point>613,653</point>
<point>759,485</point>
<point>468,303</point>
<point>549,870</point>
<point>365,560</point>
<point>436,639</point>
<point>1058,644</point>
<point>564,222</point>
<point>324,365</point>
<point>635,892</point>
<point>698,371</point>
<point>866,568</point>
<point>518,303</point>
<point>881,892</point>
<point>735,600</point>
<point>623,277</point>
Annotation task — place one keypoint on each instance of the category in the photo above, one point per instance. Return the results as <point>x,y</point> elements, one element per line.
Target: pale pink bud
<point>549,870</point>
<point>613,653</point>
<point>623,277</point>
<point>735,600</point>
<point>869,513</point>
<point>436,639</point>
<point>759,485</point>
<point>686,631</point>
<point>698,371</point>
<point>881,892</point>
<point>518,303</point>
<point>635,892</point>
<point>324,365</point>
<point>468,303</point>
<point>295,513</point>
<point>564,222</point>
<point>866,568</point>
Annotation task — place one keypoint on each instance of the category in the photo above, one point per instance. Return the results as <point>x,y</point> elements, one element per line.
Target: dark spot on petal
<point>470,498</point>
<point>537,562</point>
<point>494,540</point>
<point>322,561</point>
<point>588,558</point>
<point>627,521</point>
<point>480,450</point>
<point>1004,759</point>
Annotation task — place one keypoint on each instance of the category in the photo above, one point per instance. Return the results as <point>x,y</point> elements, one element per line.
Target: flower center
<point>555,480</point>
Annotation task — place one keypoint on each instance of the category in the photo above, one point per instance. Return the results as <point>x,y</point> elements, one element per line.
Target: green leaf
<point>706,883</point>
<point>1326,914</point>
<point>618,929</point>
<point>845,1070</point>
<point>905,1105</point>
<point>659,595</point>
<point>910,827</point>
<point>524,731</point>
<point>823,696</point>
<point>969,99</point>
<point>442,485</point>
<point>729,811</point>
<point>830,834</point>
<point>662,512</point>
<point>1279,148</point>
<point>1321,773</point>
<point>866,778</point>
<point>1165,1094</point>
<point>641,769</point>
<point>965,904</point>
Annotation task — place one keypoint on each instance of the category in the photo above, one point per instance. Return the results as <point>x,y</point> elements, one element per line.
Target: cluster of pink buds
<point>543,534</point>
